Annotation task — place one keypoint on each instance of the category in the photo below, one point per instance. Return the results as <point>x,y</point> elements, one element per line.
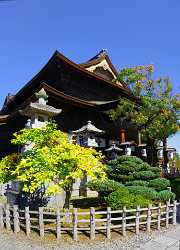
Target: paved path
<point>169,240</point>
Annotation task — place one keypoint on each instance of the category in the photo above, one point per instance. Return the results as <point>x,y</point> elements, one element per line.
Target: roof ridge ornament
<point>103,52</point>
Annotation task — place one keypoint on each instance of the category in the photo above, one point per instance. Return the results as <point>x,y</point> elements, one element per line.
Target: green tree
<point>132,171</point>
<point>139,178</point>
<point>50,161</point>
<point>156,112</point>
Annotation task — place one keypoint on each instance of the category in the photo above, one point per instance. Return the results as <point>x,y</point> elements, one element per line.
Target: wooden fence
<point>91,222</point>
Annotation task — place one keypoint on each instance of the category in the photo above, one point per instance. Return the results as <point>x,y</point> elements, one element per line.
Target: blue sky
<point>134,32</point>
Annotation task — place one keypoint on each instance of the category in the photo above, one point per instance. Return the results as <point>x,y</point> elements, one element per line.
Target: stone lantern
<point>128,146</point>
<point>160,155</point>
<point>113,151</point>
<point>171,153</point>
<point>142,147</point>
<point>87,135</point>
<point>39,113</point>
<point>142,150</point>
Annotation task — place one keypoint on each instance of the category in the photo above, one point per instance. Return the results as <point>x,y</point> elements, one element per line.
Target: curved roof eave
<point>92,75</point>
<point>79,68</point>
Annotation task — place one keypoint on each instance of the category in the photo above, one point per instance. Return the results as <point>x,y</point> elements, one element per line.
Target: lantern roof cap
<point>88,128</point>
<point>38,108</point>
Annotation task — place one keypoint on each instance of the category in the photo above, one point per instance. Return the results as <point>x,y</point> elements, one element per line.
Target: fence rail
<point>89,221</point>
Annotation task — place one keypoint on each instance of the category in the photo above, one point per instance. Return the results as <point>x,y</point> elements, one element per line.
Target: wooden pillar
<point>16,219</point>
<point>8,225</point>
<point>1,217</point>
<point>28,223</point>
<point>137,219</point>
<point>58,224</point>
<point>167,214</point>
<point>124,222</point>
<point>149,219</point>
<point>139,138</point>
<point>174,212</point>
<point>75,224</point>
<point>159,217</point>
<point>108,225</point>
<point>122,135</point>
<point>92,223</point>
<point>41,222</point>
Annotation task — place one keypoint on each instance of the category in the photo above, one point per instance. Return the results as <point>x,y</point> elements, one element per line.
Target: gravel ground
<point>11,242</point>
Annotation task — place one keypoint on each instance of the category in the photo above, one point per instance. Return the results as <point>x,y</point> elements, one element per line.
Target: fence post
<point>1,217</point>
<point>159,217</point>
<point>137,219</point>
<point>16,219</point>
<point>58,224</point>
<point>28,223</point>
<point>108,225</point>
<point>92,223</point>
<point>174,212</point>
<point>8,225</point>
<point>75,224</point>
<point>167,214</point>
<point>41,223</point>
<point>124,221</point>
<point>149,218</point>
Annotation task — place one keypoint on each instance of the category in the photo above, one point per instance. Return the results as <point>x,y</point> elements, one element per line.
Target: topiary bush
<point>139,200</point>
<point>145,175</point>
<point>137,183</point>
<point>122,197</point>
<point>146,192</point>
<point>118,198</point>
<point>165,195</point>
<point>159,184</point>
<point>129,168</point>
<point>104,188</point>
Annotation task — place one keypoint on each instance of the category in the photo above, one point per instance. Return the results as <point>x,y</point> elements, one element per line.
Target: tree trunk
<point>68,197</point>
<point>165,162</point>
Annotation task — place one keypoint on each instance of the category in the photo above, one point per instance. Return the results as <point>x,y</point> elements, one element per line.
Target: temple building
<point>84,93</point>
<point>79,97</point>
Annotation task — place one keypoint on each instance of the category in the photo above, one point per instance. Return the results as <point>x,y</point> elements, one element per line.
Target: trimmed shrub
<point>104,188</point>
<point>121,197</point>
<point>145,175</point>
<point>159,184</point>
<point>146,192</point>
<point>130,168</point>
<point>166,195</point>
<point>139,200</point>
<point>155,170</point>
<point>118,199</point>
<point>137,183</point>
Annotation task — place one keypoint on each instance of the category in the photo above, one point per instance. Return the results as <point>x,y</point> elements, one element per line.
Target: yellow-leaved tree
<point>51,161</point>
